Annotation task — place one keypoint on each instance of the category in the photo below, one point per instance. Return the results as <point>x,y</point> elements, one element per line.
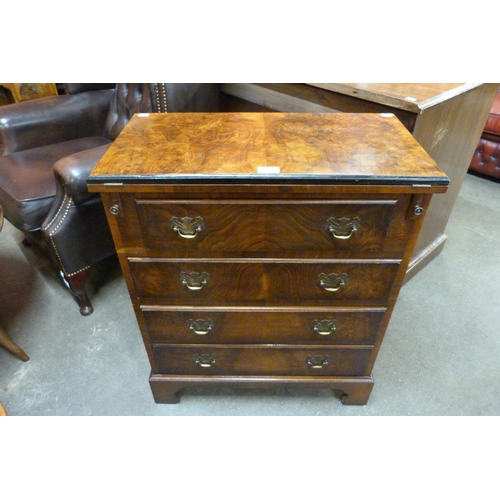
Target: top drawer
<point>340,228</point>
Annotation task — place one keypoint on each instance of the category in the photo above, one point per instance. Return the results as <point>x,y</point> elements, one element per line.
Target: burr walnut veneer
<point>446,119</point>
<point>265,249</point>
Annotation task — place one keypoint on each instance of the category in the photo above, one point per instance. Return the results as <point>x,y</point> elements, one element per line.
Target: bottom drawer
<point>260,360</point>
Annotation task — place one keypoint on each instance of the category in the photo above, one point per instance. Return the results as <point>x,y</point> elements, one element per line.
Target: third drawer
<point>264,326</point>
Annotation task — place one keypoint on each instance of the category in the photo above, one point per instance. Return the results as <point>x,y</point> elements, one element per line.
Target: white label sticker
<point>142,115</point>
<point>268,170</point>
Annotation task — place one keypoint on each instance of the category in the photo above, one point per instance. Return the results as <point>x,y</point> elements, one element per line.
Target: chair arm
<point>76,225</point>
<point>73,171</point>
<point>49,120</point>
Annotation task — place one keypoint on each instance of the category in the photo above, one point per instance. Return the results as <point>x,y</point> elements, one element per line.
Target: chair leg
<point>76,283</point>
<point>8,343</point>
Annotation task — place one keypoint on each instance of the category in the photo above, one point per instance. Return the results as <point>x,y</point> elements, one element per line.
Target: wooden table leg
<point>5,340</point>
<point>7,343</point>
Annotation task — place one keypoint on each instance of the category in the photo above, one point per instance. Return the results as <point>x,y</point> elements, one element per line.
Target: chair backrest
<point>128,98</point>
<point>77,88</point>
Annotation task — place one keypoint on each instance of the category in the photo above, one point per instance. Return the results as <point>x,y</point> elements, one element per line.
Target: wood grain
<point>271,227</point>
<point>251,282</point>
<point>351,390</point>
<point>450,133</point>
<point>304,98</point>
<point>445,118</point>
<point>410,96</point>
<point>328,147</point>
<point>278,226</point>
<point>241,300</point>
<point>261,360</point>
<point>276,326</point>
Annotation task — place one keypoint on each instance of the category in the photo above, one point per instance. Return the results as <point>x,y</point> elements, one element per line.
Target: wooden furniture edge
<point>353,390</point>
<point>415,107</point>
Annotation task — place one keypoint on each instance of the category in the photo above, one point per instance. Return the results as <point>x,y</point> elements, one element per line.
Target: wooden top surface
<point>413,97</point>
<point>266,148</point>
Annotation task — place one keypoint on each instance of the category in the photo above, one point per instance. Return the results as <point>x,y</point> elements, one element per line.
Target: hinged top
<point>291,148</point>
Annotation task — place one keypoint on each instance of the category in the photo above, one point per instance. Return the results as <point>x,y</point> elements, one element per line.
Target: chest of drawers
<point>264,249</point>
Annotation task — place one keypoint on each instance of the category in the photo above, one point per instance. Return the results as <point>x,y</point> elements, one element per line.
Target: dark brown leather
<point>27,186</point>
<point>492,125</point>
<point>187,97</point>
<point>486,158</point>
<point>50,147</point>
<point>61,118</point>
<point>128,98</point>
<point>73,170</point>
<point>78,234</point>
<point>76,88</point>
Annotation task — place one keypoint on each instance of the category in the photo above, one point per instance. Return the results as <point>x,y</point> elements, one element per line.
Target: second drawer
<point>197,281</point>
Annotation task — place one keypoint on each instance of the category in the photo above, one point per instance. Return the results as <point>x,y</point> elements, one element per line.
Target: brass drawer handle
<point>324,326</point>
<point>317,362</point>
<point>343,228</point>
<point>187,227</point>
<point>194,281</point>
<point>201,326</point>
<point>332,282</point>
<point>205,360</point>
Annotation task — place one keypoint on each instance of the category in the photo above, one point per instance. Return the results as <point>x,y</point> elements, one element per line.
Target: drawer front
<point>225,282</point>
<point>342,227</point>
<point>258,360</point>
<point>208,326</point>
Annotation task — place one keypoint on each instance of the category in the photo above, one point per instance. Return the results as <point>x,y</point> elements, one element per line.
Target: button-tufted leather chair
<point>50,145</point>
<point>486,159</point>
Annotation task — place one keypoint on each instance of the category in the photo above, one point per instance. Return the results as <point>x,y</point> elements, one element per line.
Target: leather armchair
<point>486,158</point>
<point>50,145</point>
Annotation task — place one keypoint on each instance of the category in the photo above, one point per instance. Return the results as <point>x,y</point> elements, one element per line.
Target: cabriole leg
<point>76,283</point>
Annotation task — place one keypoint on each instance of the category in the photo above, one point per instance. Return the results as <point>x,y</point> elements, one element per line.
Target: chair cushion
<point>27,182</point>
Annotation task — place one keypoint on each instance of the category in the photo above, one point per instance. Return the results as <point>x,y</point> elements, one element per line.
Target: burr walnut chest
<point>264,249</point>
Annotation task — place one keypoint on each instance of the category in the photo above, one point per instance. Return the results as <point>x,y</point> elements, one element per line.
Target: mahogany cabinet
<point>264,249</point>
